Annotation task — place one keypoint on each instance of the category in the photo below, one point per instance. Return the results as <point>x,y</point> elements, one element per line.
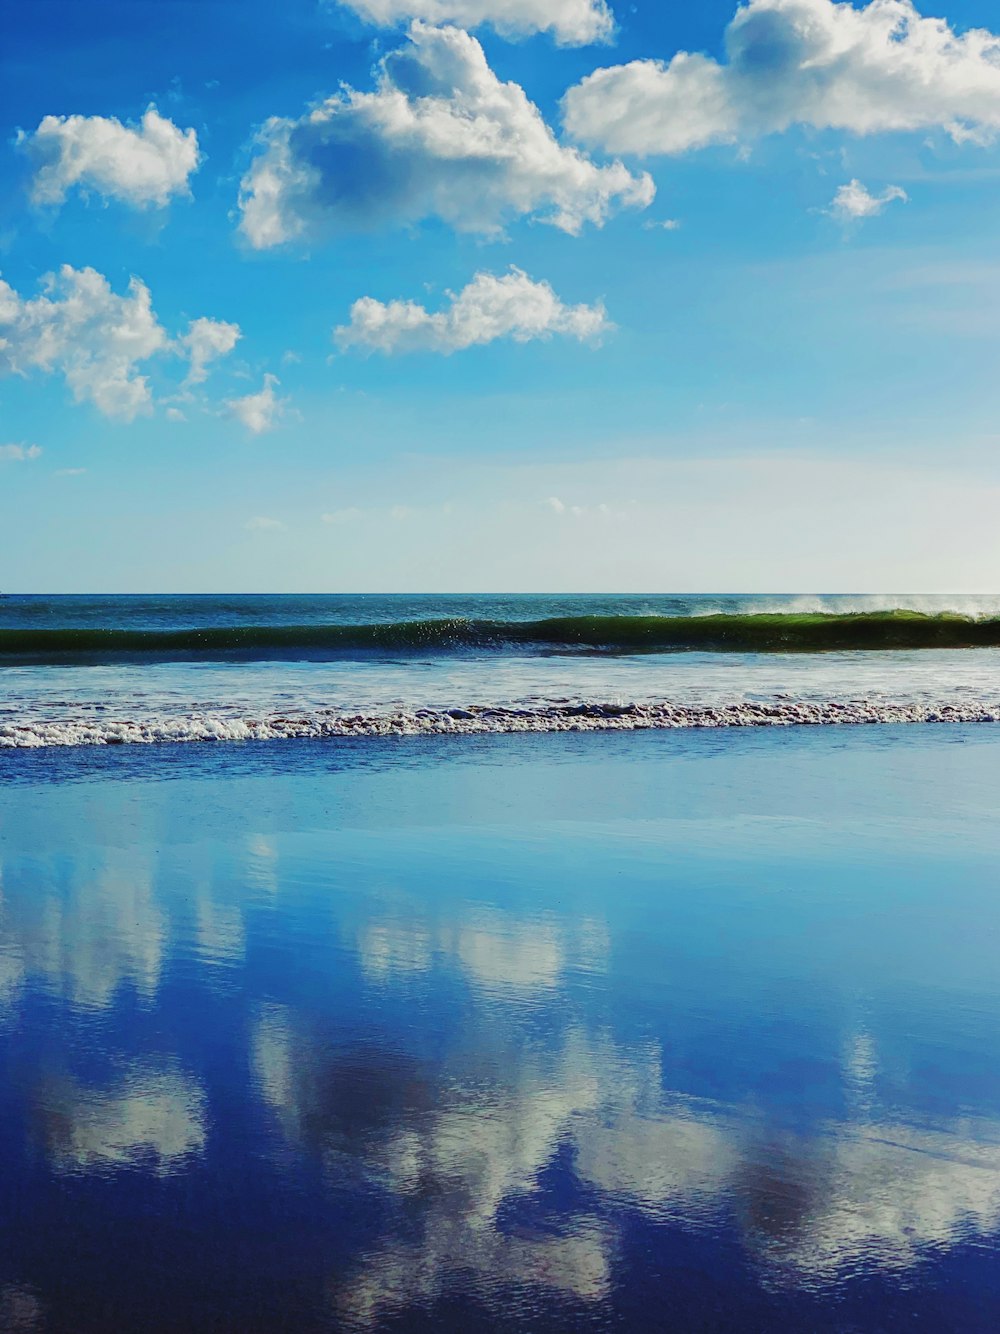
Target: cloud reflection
<point>495,953</point>
<point>459,1148</point>
<point>153,1119</point>
<point>20,1310</point>
<point>87,935</point>
<point>878,1196</point>
<point>455,1150</point>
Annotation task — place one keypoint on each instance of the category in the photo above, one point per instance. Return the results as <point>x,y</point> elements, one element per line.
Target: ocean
<point>681,1030</point>
<point>111,670</point>
<point>499,965</point>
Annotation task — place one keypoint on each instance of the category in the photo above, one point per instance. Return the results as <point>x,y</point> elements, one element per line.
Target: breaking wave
<point>784,632</point>
<point>480,720</point>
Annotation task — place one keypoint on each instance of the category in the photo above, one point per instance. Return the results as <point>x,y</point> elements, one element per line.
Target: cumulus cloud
<point>19,453</point>
<point>80,329</point>
<point>441,136</point>
<point>571,22</point>
<point>819,63</point>
<point>261,411</point>
<point>853,202</point>
<point>512,306</point>
<point>205,341</point>
<point>144,165</point>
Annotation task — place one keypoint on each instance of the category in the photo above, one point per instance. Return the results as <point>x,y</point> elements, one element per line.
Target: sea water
<point>686,1030</point>
<point>77,670</point>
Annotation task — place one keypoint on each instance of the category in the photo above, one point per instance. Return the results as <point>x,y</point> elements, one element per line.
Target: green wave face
<point>777,633</point>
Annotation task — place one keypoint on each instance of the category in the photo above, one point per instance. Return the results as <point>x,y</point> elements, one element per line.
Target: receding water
<point>651,1032</point>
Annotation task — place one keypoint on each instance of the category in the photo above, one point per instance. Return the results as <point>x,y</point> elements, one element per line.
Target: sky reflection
<point>508,1068</point>
<point>150,1119</point>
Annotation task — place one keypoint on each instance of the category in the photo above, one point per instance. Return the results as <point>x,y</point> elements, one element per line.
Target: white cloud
<point>70,472</point>
<point>853,202</point>
<point>386,513</point>
<point>140,165</point>
<point>441,136</point>
<point>662,225</point>
<point>571,22</point>
<point>19,453</point>
<point>80,329</point>
<point>205,341</point>
<point>175,415</point>
<point>828,65</point>
<point>599,511</point>
<point>512,306</point>
<point>260,523</point>
<point>261,411</point>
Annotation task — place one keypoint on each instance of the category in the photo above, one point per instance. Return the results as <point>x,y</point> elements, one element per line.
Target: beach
<point>674,1030</point>
<point>384,951</point>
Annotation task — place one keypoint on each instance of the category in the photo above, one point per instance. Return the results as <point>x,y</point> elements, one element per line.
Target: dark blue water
<point>671,1032</point>
<point>178,611</point>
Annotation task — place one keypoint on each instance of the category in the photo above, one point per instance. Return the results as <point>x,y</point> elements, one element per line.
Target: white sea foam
<point>479,720</point>
<point>122,704</point>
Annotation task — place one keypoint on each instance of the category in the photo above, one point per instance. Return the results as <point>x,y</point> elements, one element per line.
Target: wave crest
<point>785,632</point>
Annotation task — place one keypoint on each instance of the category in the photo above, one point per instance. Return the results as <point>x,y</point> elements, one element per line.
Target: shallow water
<point>680,1032</point>
<point>72,698</point>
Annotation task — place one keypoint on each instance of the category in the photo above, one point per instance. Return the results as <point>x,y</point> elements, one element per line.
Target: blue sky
<point>653,297</point>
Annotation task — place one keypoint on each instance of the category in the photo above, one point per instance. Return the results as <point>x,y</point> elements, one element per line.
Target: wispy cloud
<point>19,453</point>
<point>206,341</point>
<point>348,515</point>
<point>602,510</point>
<point>261,411</point>
<point>853,202</point>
